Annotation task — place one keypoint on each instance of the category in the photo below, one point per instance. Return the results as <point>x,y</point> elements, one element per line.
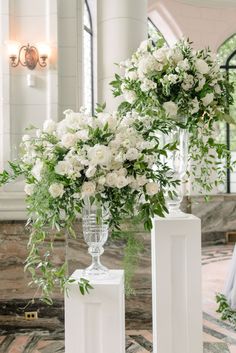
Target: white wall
<point>204,25</point>
<point>58,86</point>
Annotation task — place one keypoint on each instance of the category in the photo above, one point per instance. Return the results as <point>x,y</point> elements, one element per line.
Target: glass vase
<point>177,160</point>
<point>95,231</point>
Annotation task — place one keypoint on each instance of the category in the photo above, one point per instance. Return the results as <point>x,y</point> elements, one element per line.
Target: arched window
<point>153,31</point>
<point>227,56</point>
<point>88,93</point>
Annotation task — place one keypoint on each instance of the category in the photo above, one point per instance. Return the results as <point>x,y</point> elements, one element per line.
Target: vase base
<point>95,271</point>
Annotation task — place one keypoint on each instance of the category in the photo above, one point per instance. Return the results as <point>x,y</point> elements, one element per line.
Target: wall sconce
<point>28,55</point>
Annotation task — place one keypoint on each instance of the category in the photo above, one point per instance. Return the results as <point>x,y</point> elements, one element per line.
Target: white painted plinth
<point>95,322</point>
<point>176,285</point>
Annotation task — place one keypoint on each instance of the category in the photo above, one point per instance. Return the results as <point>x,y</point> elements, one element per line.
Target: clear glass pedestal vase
<point>177,160</point>
<point>95,231</point>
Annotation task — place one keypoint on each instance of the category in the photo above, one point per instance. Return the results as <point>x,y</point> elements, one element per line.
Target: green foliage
<point>227,314</point>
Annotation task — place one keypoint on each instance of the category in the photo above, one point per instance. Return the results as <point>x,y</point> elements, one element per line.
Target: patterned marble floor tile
<point>216,348</point>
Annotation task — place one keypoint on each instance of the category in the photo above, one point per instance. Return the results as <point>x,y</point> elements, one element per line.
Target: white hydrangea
<point>147,85</point>
<point>132,154</point>
<point>56,190</point>
<point>171,108</point>
<point>188,82</point>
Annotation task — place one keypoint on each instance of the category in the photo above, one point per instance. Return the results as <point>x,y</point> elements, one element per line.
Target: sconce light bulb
<point>43,49</point>
<point>13,48</point>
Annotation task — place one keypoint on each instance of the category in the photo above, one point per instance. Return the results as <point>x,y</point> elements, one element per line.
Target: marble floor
<point>218,336</point>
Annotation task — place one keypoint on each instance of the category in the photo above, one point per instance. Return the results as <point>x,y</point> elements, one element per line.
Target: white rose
<point>171,108</point>
<point>201,66</point>
<point>131,75</point>
<point>29,189</point>
<point>99,155</point>
<point>201,84</point>
<point>25,138</point>
<point>132,154</point>
<point>68,140</point>
<point>130,96</point>
<point>122,171</point>
<point>101,180</point>
<point>172,78</point>
<point>82,135</point>
<point>49,126</point>
<point>207,99</point>
<point>121,181</point>
<point>217,89</point>
<point>176,55</point>
<point>152,188</point>
<point>37,169</point>
<point>90,172</point>
<point>161,54</point>
<point>195,106</point>
<point>183,65</point>
<point>111,179</point>
<point>141,180</point>
<point>188,82</point>
<point>56,190</point>
<point>63,168</point>
<point>88,188</point>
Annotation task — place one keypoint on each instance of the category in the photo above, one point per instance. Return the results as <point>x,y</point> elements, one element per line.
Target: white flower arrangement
<point>180,86</point>
<point>108,158</point>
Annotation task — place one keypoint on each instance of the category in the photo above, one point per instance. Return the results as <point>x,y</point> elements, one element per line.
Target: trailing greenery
<point>227,314</point>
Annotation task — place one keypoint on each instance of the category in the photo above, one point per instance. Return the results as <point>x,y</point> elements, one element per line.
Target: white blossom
<point>88,188</point>
<point>130,96</point>
<point>99,155</point>
<point>171,108</point>
<point>207,99</point>
<point>201,66</point>
<point>152,188</point>
<point>68,140</point>
<point>56,190</point>
<point>49,126</point>
<point>37,169</point>
<point>29,189</point>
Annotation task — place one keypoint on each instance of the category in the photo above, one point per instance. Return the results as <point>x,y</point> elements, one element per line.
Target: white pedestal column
<point>176,285</point>
<point>95,322</point>
<point>122,25</point>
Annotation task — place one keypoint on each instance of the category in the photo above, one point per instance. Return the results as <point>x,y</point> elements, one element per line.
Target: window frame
<point>91,33</point>
<point>227,67</point>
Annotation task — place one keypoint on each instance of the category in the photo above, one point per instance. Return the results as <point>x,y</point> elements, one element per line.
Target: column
<point>122,25</point>
<point>176,285</point>
<point>95,322</point>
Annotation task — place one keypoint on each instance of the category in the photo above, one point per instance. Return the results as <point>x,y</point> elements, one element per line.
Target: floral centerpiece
<point>184,86</point>
<point>111,159</point>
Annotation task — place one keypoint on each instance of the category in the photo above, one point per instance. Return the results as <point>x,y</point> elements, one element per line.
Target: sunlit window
<point>88,95</point>
<point>153,31</point>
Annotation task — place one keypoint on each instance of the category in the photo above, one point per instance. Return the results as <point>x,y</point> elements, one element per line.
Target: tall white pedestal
<point>176,285</point>
<point>95,322</point>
